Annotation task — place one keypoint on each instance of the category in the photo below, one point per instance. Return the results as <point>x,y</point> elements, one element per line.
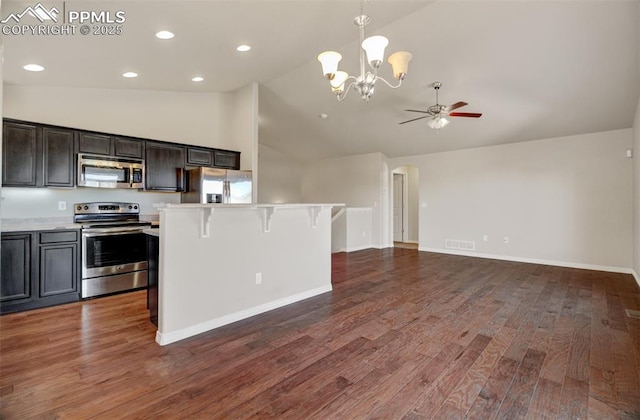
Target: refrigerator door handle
<point>226,191</point>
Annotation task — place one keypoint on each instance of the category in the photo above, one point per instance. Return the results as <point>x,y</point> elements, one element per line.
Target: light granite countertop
<point>43,223</point>
<point>51,223</point>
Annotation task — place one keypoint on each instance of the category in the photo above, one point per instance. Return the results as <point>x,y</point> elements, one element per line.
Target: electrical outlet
<point>505,239</point>
<point>485,238</point>
<point>258,278</point>
<point>62,205</point>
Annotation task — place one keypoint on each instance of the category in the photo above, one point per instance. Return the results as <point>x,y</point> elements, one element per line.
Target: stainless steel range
<point>114,249</point>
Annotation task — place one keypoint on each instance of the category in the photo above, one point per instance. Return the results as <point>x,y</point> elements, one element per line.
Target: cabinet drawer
<point>53,237</point>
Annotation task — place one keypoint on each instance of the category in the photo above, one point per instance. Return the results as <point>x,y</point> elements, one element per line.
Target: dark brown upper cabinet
<point>19,154</point>
<point>162,162</point>
<point>58,157</point>
<point>104,144</point>
<point>226,159</point>
<point>40,155</point>
<point>199,157</point>
<point>37,156</point>
<point>96,144</point>
<point>128,147</point>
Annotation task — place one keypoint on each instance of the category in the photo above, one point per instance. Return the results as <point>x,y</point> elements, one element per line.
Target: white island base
<point>222,263</point>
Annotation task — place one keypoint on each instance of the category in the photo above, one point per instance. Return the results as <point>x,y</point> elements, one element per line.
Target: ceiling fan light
<point>337,84</point>
<point>437,122</point>
<point>400,63</point>
<point>329,61</point>
<point>374,46</point>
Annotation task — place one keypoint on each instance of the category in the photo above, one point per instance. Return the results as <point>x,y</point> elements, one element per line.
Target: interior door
<point>398,199</point>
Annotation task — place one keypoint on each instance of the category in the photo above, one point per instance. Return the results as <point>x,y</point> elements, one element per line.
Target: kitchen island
<point>220,263</point>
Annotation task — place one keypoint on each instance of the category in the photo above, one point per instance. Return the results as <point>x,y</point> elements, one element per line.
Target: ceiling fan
<point>437,113</point>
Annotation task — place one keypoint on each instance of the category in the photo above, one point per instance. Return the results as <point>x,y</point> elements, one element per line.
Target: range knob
<point>130,207</point>
<point>86,207</point>
<point>135,207</point>
<point>79,207</point>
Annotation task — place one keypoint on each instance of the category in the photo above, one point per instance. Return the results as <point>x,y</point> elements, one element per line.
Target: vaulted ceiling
<point>535,69</point>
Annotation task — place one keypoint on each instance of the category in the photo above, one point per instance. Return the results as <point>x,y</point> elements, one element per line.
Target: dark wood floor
<point>404,334</point>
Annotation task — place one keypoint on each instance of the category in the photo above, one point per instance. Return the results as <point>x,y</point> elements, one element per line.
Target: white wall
<point>636,194</point>
<point>563,200</point>
<point>414,203</point>
<point>351,229</point>
<point>279,177</point>
<point>1,96</point>
<point>238,125</point>
<point>222,120</point>
<point>356,181</point>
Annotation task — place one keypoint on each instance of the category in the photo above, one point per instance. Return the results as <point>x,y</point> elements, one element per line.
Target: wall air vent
<point>460,245</point>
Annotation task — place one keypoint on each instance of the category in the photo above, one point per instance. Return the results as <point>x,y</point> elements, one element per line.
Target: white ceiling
<point>535,69</point>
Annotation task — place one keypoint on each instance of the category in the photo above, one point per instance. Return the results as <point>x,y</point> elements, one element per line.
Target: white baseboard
<point>636,276</point>
<point>612,269</point>
<point>172,337</point>
<point>355,248</point>
<point>383,246</point>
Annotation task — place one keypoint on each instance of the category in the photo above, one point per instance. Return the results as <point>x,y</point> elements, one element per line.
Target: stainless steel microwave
<point>110,172</point>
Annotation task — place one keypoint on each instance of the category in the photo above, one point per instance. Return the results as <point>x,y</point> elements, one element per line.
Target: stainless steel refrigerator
<point>213,185</point>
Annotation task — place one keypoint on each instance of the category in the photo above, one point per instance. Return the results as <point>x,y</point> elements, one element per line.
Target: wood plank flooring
<point>404,334</point>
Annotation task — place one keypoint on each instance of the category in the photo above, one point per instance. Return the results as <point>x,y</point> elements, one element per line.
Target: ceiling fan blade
<point>465,114</point>
<point>415,119</point>
<point>417,110</point>
<point>455,106</point>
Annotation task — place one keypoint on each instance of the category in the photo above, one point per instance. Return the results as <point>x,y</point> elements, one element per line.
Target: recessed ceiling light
<point>324,115</point>
<point>130,74</point>
<point>197,79</point>
<point>243,48</point>
<point>165,35</point>
<point>33,67</point>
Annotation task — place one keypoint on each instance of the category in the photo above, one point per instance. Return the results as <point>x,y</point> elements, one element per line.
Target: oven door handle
<point>110,231</point>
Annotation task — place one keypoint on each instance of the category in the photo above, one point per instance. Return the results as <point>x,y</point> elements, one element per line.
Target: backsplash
<point>29,203</point>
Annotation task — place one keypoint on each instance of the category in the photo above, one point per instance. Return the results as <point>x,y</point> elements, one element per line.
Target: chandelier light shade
<point>329,61</point>
<point>400,63</point>
<point>374,46</point>
<point>337,83</point>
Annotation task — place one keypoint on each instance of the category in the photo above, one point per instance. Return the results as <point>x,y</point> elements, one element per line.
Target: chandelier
<point>341,82</point>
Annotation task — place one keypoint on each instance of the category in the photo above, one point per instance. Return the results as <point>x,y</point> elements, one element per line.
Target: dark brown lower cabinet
<point>39,269</point>
<point>18,273</point>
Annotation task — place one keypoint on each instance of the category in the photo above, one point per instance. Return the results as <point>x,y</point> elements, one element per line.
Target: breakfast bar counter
<point>220,263</point>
